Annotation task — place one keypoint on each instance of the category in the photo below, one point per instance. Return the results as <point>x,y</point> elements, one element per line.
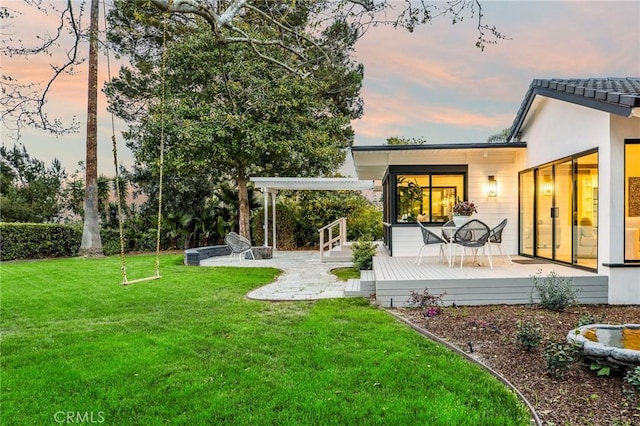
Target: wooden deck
<point>396,277</point>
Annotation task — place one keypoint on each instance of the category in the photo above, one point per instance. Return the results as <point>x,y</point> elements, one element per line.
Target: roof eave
<point>426,147</point>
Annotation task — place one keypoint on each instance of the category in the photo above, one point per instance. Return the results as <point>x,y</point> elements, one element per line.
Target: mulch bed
<point>579,397</point>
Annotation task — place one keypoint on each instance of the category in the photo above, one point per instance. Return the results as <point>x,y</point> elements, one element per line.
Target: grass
<point>344,274</point>
<point>190,349</point>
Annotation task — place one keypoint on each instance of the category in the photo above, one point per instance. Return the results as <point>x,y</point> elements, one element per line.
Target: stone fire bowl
<point>613,356</point>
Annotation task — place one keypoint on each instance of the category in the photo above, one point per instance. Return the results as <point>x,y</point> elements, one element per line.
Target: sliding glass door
<point>563,211</point>
<point>559,211</point>
<point>544,212</point>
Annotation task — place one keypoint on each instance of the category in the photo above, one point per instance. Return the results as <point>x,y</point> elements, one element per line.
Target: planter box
<point>260,253</point>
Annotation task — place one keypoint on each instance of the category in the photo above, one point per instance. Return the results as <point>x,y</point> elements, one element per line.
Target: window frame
<point>391,189</point>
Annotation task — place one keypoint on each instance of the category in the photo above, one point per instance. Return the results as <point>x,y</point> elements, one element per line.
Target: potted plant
<point>462,211</point>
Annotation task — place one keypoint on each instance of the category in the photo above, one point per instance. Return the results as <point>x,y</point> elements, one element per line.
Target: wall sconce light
<point>547,186</point>
<point>492,187</point>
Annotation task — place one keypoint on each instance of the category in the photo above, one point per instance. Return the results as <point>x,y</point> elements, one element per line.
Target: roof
<point>613,95</point>
<point>302,183</point>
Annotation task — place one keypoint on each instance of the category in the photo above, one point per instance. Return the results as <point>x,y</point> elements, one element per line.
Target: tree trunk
<point>91,244</point>
<point>244,218</point>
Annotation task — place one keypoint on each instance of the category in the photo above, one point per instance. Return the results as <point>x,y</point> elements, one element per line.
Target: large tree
<point>294,47</point>
<point>229,114</point>
<point>24,103</point>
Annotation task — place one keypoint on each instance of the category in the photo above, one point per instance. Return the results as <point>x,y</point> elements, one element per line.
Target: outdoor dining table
<point>451,230</point>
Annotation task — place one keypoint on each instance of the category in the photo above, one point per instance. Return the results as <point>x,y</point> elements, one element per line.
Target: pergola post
<point>273,213</point>
<point>265,196</point>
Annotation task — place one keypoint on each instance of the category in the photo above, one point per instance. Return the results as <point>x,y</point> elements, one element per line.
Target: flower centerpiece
<point>462,211</point>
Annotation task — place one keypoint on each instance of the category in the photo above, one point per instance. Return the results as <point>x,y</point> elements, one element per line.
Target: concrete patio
<point>306,277</point>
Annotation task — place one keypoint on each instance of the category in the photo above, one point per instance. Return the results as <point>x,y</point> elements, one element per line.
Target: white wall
<point>407,240</point>
<point>557,129</point>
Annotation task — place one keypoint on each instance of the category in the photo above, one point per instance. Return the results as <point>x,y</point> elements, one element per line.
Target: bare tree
<point>229,18</point>
<point>23,104</point>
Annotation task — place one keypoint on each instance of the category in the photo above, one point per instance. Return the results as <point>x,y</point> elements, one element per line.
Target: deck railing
<point>327,240</point>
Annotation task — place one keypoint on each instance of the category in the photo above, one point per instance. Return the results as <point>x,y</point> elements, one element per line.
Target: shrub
<point>587,319</point>
<point>286,224</point>
<point>529,335</point>
<point>363,252</point>
<point>559,357</point>
<point>632,377</point>
<point>555,291</point>
<point>36,240</point>
<point>365,222</point>
<point>431,303</point>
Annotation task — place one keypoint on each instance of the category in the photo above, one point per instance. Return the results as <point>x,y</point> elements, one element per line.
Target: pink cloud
<point>389,116</point>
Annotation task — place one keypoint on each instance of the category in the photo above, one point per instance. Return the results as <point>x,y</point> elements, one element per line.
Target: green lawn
<point>190,349</point>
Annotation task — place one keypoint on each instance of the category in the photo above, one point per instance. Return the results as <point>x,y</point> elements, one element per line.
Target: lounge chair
<point>239,245</point>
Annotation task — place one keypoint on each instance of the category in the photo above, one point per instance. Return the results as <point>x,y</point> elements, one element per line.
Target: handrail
<point>341,238</point>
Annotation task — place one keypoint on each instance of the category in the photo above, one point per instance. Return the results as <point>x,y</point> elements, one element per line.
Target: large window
<point>632,200</point>
<point>559,211</point>
<point>425,195</point>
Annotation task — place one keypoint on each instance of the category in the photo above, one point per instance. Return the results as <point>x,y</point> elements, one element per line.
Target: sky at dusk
<point>432,84</point>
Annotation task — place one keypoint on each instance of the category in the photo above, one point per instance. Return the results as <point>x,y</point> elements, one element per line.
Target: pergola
<point>271,185</point>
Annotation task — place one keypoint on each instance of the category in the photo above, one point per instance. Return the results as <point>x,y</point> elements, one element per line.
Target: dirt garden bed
<point>579,397</point>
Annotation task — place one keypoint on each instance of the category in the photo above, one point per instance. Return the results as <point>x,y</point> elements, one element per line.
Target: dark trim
<point>415,169</point>
<point>393,171</point>
<point>624,202</point>
<point>429,147</point>
<point>535,170</point>
<point>627,264</point>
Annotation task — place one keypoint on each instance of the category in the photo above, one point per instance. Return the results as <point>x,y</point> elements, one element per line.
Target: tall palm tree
<point>91,242</point>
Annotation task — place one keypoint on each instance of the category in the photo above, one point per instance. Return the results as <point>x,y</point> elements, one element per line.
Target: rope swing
<point>123,263</point>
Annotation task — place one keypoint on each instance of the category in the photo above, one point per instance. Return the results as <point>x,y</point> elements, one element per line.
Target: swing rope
<point>123,264</point>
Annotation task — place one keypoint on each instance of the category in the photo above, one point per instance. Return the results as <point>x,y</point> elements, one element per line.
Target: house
<point>567,180</point>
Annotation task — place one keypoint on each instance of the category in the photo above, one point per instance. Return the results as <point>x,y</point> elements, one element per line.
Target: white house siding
<point>624,283</point>
<point>407,240</point>
<point>612,183</point>
<point>555,129</point>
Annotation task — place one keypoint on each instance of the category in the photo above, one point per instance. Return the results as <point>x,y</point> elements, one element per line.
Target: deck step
<point>354,288</point>
<point>368,281</point>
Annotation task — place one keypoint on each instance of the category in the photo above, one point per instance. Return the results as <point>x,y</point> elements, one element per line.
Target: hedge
<point>36,240</point>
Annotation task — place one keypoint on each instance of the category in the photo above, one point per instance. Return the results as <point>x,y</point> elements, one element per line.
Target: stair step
<point>368,282</point>
<point>337,259</point>
<point>354,289</point>
<point>340,250</point>
<point>368,276</point>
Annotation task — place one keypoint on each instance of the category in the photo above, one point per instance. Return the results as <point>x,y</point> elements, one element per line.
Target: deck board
<point>506,283</point>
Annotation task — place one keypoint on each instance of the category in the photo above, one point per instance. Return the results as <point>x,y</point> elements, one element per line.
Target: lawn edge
<point>535,419</point>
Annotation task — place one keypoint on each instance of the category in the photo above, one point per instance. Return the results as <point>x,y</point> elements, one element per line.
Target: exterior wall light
<point>492,187</point>
<point>547,186</point>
